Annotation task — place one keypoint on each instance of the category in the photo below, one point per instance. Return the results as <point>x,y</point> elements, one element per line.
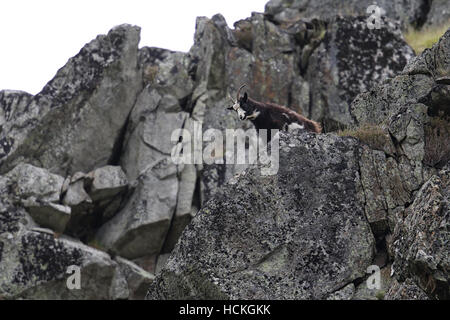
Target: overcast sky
<point>39,36</point>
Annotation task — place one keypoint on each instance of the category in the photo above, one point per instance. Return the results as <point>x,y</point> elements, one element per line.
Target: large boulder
<point>284,236</point>
<point>402,110</point>
<point>36,265</point>
<point>39,192</point>
<point>75,122</point>
<point>94,198</point>
<point>149,218</point>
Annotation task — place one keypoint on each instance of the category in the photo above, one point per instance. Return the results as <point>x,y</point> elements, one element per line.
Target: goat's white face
<point>242,108</point>
<point>241,113</point>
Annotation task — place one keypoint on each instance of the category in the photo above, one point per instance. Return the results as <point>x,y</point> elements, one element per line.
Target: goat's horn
<point>239,92</point>
<point>231,98</point>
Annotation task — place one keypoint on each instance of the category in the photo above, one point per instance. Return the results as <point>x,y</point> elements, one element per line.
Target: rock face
<point>407,198</point>
<point>87,177</point>
<point>402,108</point>
<point>420,241</point>
<point>288,236</point>
<point>74,123</point>
<point>347,62</point>
<point>439,13</point>
<point>410,12</point>
<point>406,214</point>
<point>35,260</point>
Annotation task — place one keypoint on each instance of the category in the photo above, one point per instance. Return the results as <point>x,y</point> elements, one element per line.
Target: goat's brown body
<point>274,116</point>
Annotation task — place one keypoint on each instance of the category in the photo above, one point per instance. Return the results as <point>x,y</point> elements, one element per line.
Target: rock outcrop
<point>403,198</point>
<point>287,236</point>
<point>88,182</point>
<point>409,13</point>
<point>74,123</point>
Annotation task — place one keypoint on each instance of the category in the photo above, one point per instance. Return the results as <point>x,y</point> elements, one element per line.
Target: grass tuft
<point>374,136</point>
<point>419,40</point>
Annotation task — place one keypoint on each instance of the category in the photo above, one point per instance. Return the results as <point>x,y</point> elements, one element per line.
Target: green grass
<point>419,40</point>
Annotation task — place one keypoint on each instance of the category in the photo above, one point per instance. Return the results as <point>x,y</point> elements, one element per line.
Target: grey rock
<point>439,13</point>
<point>140,228</point>
<point>406,290</point>
<point>161,262</point>
<point>345,293</point>
<point>411,12</point>
<point>420,240</point>
<point>413,85</point>
<point>34,265</point>
<point>74,122</point>
<point>286,236</point>
<point>39,192</point>
<point>351,59</point>
<point>107,182</point>
<point>160,109</point>
<point>94,198</point>
<point>30,182</point>
<point>54,216</point>
<point>137,279</point>
<point>400,107</point>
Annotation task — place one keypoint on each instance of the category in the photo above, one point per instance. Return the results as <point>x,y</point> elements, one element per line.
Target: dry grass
<point>419,40</point>
<point>437,141</point>
<point>373,135</point>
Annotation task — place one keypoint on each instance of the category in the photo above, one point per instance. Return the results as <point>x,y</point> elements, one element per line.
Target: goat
<point>270,116</point>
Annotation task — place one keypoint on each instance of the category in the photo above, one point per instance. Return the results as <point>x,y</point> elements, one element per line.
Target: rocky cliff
<point>87,178</point>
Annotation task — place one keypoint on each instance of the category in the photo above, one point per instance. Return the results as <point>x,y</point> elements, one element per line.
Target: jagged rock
<point>277,237</point>
<point>272,71</point>
<point>74,123</point>
<point>32,183</point>
<point>162,260</point>
<point>77,198</point>
<point>160,109</point>
<point>34,261</point>
<point>348,61</point>
<point>38,191</point>
<point>401,107</point>
<point>137,279</point>
<point>34,265</point>
<point>54,216</point>
<point>13,105</point>
<point>107,183</point>
<point>185,209</point>
<point>420,240</point>
<point>411,12</point>
<point>413,85</point>
<point>94,198</point>
<point>407,290</point>
<point>140,228</point>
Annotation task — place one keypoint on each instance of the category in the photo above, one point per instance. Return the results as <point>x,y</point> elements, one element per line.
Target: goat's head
<point>244,109</point>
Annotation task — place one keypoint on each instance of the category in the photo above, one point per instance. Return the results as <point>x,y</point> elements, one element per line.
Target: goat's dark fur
<point>273,116</point>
